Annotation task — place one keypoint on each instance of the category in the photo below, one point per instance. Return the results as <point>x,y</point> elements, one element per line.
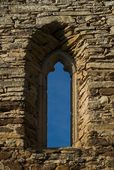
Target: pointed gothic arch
<point>48,66</point>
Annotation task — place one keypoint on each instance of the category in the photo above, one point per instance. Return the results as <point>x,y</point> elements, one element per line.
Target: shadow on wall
<point>2,62</point>
<point>46,40</point>
<point>0,52</point>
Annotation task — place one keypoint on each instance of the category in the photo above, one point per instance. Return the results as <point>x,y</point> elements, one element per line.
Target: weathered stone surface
<point>112,30</point>
<point>63,167</point>
<point>5,155</point>
<point>104,100</point>
<point>47,20</point>
<point>30,31</point>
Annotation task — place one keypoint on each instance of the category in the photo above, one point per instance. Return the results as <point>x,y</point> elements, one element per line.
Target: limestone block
<point>32,8</point>
<point>49,19</point>
<point>5,21</point>
<point>112,10</point>
<point>49,166</point>
<point>71,41</point>
<point>109,3</point>
<point>101,84</point>
<point>109,162</point>
<point>5,155</point>
<point>5,129</point>
<point>76,13</point>
<point>112,30</point>
<point>66,19</point>
<point>110,20</point>
<point>88,18</point>
<point>62,167</point>
<point>100,65</point>
<point>104,99</point>
<point>34,167</point>
<point>12,165</point>
<point>107,91</point>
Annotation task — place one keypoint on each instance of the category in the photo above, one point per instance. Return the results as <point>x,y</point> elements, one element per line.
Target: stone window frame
<point>48,66</point>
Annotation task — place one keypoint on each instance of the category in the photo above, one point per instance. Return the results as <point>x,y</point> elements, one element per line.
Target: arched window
<point>48,66</point>
<point>58,108</point>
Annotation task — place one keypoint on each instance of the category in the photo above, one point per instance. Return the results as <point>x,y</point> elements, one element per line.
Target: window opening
<point>58,108</point>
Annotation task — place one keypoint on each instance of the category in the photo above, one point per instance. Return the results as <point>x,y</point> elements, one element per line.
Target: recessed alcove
<point>44,52</point>
<point>48,66</point>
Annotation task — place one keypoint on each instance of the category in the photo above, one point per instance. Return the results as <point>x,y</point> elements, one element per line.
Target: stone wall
<point>32,30</point>
<point>92,158</point>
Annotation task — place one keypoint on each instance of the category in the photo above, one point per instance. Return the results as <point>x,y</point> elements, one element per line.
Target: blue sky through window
<point>58,128</point>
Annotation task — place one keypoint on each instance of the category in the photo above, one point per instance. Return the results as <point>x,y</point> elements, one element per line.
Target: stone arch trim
<point>59,56</point>
<point>48,66</point>
<point>44,46</point>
